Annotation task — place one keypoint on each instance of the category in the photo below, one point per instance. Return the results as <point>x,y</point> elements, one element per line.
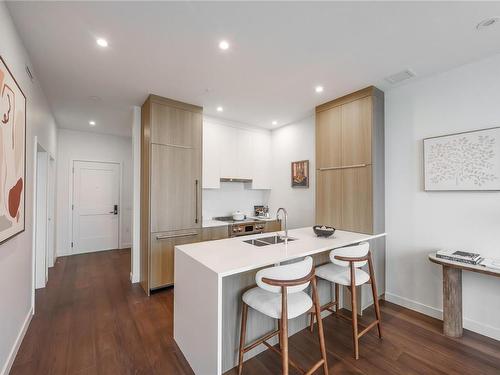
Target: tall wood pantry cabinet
<point>171,152</point>
<point>350,167</point>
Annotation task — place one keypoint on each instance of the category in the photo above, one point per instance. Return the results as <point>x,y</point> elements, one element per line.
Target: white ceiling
<point>279,52</point>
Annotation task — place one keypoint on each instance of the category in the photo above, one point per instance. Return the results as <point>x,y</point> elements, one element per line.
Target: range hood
<point>228,179</point>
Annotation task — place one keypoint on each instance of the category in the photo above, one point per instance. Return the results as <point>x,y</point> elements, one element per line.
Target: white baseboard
<point>17,344</point>
<point>413,305</point>
<point>133,278</point>
<point>125,245</point>
<point>472,325</point>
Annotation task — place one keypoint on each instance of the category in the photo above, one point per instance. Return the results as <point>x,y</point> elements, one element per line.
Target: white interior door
<point>96,197</point>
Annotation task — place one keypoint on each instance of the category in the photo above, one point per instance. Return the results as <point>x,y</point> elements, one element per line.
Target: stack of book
<point>460,256</point>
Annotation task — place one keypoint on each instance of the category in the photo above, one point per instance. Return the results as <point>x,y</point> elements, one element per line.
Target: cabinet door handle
<point>166,237</point>
<point>343,167</point>
<point>196,201</point>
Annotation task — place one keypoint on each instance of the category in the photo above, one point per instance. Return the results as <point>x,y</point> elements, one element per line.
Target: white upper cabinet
<point>227,148</point>
<point>261,160</point>
<point>211,156</point>
<point>244,168</point>
<point>230,152</point>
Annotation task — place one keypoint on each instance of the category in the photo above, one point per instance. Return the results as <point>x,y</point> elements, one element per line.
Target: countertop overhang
<point>231,256</point>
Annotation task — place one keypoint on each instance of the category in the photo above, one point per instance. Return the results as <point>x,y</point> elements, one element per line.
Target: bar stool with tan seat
<point>280,295</point>
<point>345,269</point>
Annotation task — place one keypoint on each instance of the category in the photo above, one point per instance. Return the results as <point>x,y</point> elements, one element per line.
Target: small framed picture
<point>300,173</point>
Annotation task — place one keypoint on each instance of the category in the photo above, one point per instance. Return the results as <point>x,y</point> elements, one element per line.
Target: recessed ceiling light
<point>487,22</point>
<point>101,42</point>
<point>275,122</point>
<point>223,45</point>
<point>220,109</point>
<point>92,123</point>
<point>318,89</point>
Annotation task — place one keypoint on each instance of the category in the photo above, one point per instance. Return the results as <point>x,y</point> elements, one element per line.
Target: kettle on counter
<point>238,215</point>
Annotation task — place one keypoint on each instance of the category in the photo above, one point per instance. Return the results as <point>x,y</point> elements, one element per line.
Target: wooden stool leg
<point>375,295</point>
<point>337,297</point>
<point>317,309</point>
<point>279,334</point>
<point>354,307</point>
<point>284,331</point>
<point>244,314</point>
<point>311,324</point>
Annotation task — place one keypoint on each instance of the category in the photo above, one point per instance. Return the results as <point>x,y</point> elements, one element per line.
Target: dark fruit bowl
<point>322,232</point>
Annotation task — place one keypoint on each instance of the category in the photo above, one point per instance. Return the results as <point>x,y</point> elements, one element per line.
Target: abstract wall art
<point>463,161</point>
<point>300,173</point>
<point>12,154</point>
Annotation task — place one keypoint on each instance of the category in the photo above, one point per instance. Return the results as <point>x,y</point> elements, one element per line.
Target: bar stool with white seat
<point>345,269</point>
<point>280,294</point>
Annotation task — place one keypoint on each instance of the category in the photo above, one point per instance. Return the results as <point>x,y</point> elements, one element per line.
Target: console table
<point>452,292</point>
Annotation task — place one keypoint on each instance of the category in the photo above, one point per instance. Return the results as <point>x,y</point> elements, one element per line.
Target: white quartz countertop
<point>214,223</point>
<point>230,256</point>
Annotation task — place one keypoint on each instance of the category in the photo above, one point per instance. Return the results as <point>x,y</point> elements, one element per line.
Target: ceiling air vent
<point>30,75</point>
<point>401,76</point>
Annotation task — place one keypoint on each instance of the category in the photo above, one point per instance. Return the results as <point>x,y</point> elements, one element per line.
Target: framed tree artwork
<point>300,173</point>
<point>463,161</point>
<point>12,154</point>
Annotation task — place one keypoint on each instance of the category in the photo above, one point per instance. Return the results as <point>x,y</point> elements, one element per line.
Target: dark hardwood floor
<point>90,320</point>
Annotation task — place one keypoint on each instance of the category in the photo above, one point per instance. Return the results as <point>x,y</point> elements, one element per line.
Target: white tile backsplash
<point>232,196</point>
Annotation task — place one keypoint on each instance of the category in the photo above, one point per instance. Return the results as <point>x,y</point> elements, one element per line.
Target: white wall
<point>419,222</point>
<point>76,145</point>
<point>230,197</point>
<point>16,276</point>
<point>292,143</point>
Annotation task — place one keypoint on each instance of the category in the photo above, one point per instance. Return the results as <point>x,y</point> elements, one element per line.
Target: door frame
<point>71,201</point>
<point>51,210</point>
<point>38,148</point>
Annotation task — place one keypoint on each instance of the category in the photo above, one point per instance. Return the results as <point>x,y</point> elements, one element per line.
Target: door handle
<point>196,201</point>
<point>166,237</point>
<point>115,210</point>
<point>343,167</point>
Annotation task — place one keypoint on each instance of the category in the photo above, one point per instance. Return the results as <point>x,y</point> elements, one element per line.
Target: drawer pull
<point>343,167</point>
<point>165,237</point>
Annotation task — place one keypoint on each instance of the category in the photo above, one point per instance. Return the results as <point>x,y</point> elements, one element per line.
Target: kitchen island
<point>210,278</point>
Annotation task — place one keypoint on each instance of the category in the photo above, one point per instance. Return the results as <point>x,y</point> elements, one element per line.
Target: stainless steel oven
<point>245,227</point>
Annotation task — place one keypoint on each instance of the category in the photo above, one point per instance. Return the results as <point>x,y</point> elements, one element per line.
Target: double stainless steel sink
<point>264,241</point>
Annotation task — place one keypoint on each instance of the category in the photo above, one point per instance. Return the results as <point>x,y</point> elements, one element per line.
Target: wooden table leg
<point>452,302</point>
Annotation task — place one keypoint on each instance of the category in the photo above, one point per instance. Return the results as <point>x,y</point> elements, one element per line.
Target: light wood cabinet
<point>272,226</point>
<point>174,123</point>
<point>357,200</point>
<point>357,132</point>
<point>329,138</point>
<point>162,254</point>
<point>175,188</point>
<point>171,181</point>
<point>350,172</point>
<point>214,233</point>
<point>350,159</point>
<point>329,197</point>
